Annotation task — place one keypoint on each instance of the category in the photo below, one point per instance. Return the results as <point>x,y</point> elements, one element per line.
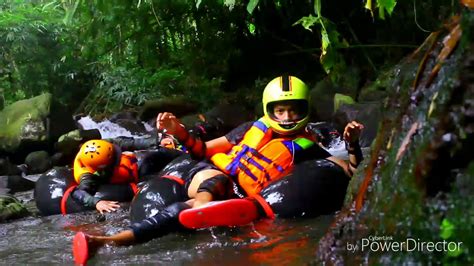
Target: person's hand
<point>352,132</point>
<point>107,206</point>
<point>169,122</point>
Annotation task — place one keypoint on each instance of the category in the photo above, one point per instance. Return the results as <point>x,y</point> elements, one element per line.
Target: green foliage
<point>252,5</point>
<point>120,53</point>
<point>383,6</point>
<point>27,60</point>
<point>386,5</point>
<point>330,39</point>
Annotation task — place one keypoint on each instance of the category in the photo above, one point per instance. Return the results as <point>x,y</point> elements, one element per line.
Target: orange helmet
<point>96,154</point>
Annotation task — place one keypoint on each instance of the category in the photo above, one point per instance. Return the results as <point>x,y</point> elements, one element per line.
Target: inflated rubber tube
<point>154,195</point>
<point>313,188</point>
<point>51,187</point>
<point>165,188</point>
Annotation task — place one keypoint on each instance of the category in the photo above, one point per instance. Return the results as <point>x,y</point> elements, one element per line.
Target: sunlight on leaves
<point>252,5</point>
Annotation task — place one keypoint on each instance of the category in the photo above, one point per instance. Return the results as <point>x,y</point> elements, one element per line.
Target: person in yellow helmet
<point>243,162</point>
<point>102,162</point>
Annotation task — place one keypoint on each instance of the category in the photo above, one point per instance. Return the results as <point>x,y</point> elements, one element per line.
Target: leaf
<point>307,22</point>
<point>48,5</point>
<point>252,5</point>
<point>328,59</point>
<point>381,13</point>
<point>407,140</point>
<point>198,3</point>
<point>317,8</point>
<point>70,12</point>
<point>325,42</point>
<point>230,4</point>
<point>387,5</point>
<point>446,229</point>
<point>251,28</point>
<point>369,6</point>
<point>432,104</point>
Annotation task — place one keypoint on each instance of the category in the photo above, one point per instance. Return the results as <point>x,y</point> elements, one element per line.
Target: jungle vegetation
<point>100,56</point>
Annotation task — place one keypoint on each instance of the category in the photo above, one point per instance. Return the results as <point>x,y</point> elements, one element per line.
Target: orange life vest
<point>126,170</point>
<point>259,159</point>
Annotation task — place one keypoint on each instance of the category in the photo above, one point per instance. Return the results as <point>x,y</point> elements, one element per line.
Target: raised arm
<point>198,149</point>
<point>351,137</point>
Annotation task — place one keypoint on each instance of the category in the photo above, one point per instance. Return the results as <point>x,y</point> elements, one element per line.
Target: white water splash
<point>110,130</point>
<point>337,148</point>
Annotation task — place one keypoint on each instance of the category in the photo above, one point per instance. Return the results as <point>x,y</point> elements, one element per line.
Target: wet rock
<point>322,101</point>
<point>130,121</point>
<point>179,106</point>
<point>32,124</point>
<point>88,134</point>
<point>427,192</point>
<point>126,115</point>
<point>15,183</point>
<point>135,127</point>
<point>8,168</point>
<point>60,120</point>
<point>323,94</point>
<point>378,89</point>
<point>68,145</point>
<point>341,99</point>
<point>227,117</point>
<point>59,159</point>
<point>38,162</point>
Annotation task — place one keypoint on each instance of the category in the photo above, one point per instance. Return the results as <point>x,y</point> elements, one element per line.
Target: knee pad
<point>220,186</point>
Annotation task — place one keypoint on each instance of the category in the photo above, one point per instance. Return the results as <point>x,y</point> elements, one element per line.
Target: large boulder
<point>8,168</point>
<point>178,106</point>
<point>68,145</point>
<point>323,95</point>
<point>228,116</point>
<point>23,121</point>
<point>130,121</point>
<point>32,124</point>
<point>38,162</point>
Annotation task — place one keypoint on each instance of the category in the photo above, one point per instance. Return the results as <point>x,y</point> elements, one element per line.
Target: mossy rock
<point>24,120</point>
<point>341,99</point>
<point>178,106</point>
<point>11,208</point>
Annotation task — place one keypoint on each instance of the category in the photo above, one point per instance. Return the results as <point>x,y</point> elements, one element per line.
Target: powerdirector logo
<point>388,244</point>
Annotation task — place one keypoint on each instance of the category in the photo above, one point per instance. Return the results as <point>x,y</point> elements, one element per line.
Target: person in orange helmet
<point>102,162</point>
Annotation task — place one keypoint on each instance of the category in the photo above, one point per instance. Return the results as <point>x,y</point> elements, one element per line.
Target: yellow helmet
<point>97,154</point>
<point>286,89</point>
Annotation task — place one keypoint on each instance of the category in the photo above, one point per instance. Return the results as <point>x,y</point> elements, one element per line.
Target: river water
<point>48,240</point>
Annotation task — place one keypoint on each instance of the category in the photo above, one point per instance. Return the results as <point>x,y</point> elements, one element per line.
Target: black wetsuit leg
<point>162,189</point>
<point>159,224</point>
<point>170,185</point>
